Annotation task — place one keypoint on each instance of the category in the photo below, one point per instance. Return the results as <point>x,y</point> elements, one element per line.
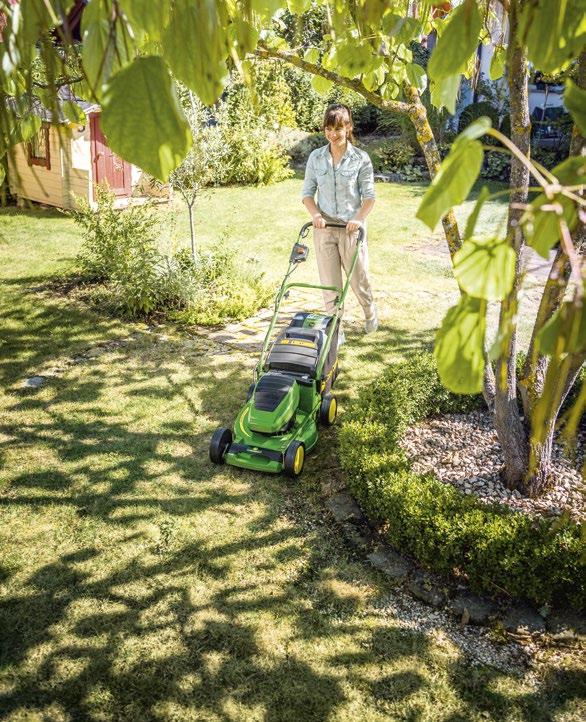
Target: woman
<point>343,177</point>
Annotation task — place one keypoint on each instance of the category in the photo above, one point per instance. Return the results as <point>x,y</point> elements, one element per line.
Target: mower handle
<point>305,229</point>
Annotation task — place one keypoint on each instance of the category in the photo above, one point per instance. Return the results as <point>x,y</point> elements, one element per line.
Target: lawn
<point>139,582</point>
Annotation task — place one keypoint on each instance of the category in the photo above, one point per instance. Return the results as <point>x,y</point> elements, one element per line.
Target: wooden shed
<point>67,160</point>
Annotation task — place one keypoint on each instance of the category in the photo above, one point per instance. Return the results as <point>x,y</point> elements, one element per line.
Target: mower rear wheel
<point>219,444</point>
<point>294,459</point>
<point>328,410</point>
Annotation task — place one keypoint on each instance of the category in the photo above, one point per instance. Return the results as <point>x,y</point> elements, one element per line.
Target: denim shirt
<point>342,190</point>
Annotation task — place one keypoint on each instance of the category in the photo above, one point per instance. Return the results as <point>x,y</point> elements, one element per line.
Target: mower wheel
<point>294,459</point>
<point>328,410</point>
<point>219,444</point>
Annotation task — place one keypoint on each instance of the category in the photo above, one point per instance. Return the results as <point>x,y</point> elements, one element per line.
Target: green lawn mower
<point>291,391</point>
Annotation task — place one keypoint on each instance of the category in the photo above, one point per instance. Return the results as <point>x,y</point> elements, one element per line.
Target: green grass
<point>139,582</point>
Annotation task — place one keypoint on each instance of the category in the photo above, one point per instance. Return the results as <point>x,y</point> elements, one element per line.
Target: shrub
<point>447,531</point>
<point>476,110</point>
<point>110,235</point>
<point>496,166</point>
<point>119,248</point>
<point>393,155</point>
<point>217,286</point>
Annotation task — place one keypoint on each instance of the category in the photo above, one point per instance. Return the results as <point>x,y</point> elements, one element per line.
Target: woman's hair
<point>339,115</point>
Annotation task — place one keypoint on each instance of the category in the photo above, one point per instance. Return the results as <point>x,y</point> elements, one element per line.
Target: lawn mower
<point>290,393</point>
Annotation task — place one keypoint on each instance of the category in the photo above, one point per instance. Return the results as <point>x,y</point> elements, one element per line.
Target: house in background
<point>65,161</point>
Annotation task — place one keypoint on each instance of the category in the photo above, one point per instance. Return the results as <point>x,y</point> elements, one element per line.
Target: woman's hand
<point>354,225</point>
<point>319,221</point>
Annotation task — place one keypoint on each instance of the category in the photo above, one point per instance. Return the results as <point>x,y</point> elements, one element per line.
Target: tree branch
<point>356,85</point>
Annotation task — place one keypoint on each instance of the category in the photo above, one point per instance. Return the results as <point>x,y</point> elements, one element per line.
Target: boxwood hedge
<point>496,549</point>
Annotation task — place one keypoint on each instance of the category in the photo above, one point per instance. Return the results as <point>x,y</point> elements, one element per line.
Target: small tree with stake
<point>199,169</point>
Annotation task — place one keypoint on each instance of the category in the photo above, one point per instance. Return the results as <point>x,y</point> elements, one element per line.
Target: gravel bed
<point>475,643</point>
<point>463,450</point>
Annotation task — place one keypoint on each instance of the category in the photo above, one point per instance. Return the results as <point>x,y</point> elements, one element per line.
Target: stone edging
<point>519,621</point>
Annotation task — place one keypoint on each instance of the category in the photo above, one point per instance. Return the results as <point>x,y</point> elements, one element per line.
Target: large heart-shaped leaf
<point>152,17</point>
<point>453,182</point>
<point>554,32</point>
<point>459,346</point>
<point>457,43</point>
<point>142,118</point>
<point>321,85</point>
<point>485,268</point>
<point>195,47</point>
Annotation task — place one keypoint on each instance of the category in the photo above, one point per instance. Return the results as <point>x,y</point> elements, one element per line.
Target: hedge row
<point>498,550</point>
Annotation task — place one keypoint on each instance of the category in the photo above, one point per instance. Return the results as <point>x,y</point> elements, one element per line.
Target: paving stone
<point>476,609</point>
<point>390,563</point>
<point>519,619</point>
<point>344,507</point>
<point>34,382</point>
<point>422,587</point>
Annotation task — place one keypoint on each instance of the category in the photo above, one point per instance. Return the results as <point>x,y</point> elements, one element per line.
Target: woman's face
<point>337,136</point>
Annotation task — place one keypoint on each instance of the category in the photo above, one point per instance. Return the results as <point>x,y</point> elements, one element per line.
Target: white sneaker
<point>371,324</point>
<point>341,338</point>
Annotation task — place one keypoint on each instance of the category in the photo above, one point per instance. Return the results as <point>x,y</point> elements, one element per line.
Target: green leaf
<point>541,227</point>
<point>473,217</point>
<point>311,55</point>
<point>402,29</point>
<point>28,127</point>
<point>152,17</point>
<point>195,47</point>
<point>459,346</point>
<point>565,332</point>
<point>321,85</point>
<point>354,58</point>
<point>103,53</point>
<point>485,268</point>
<point>476,129</point>
<point>73,112</point>
<point>444,92</point>
<point>416,76</point>
<point>457,43</point>
<point>555,32</point>
<point>142,118</point>
<point>497,63</point>
<point>575,102</point>
<point>298,7</point>
<point>456,176</point>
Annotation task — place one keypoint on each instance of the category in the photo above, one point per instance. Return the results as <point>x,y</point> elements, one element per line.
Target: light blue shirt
<point>340,190</point>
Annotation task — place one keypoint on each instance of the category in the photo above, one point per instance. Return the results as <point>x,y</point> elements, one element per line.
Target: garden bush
<point>496,166</point>
<point>493,548</point>
<point>120,252</point>
<point>393,155</point>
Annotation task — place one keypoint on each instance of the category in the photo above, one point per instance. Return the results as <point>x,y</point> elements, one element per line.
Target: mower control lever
<point>299,253</point>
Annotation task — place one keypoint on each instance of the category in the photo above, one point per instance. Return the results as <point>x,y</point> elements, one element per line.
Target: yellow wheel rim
<point>299,457</point>
<point>332,411</point>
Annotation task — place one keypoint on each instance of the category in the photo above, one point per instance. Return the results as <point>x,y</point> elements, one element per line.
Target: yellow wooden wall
<point>56,186</point>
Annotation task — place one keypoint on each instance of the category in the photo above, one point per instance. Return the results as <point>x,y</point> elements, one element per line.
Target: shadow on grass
<point>36,327</point>
<point>203,626</point>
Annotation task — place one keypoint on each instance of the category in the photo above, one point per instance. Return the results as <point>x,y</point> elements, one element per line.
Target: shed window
<point>38,148</point>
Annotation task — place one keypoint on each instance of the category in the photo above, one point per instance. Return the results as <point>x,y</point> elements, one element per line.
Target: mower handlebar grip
<point>305,229</point>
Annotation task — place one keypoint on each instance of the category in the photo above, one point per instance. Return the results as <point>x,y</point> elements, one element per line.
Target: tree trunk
<point>510,427</point>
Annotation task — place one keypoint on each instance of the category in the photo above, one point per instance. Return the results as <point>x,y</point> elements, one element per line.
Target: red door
<point>107,166</point>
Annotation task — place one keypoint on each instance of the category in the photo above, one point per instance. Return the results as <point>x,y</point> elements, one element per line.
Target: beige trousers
<point>334,249</point>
